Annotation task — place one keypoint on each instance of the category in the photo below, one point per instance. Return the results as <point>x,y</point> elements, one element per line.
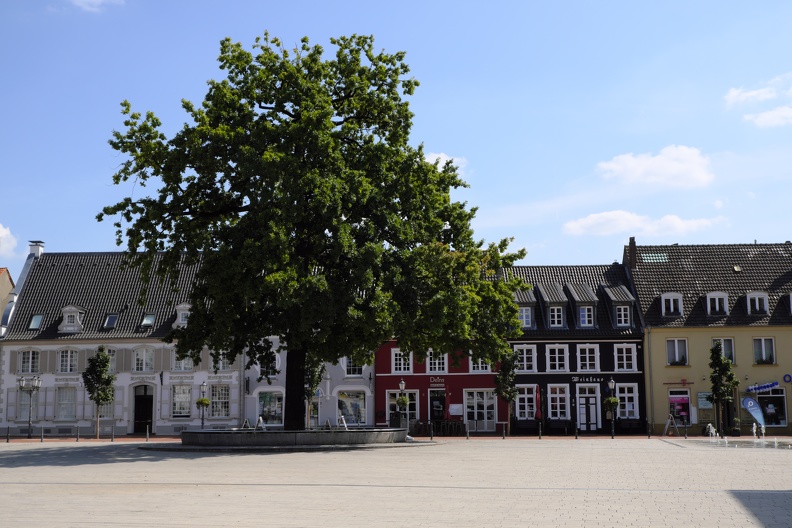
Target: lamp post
<point>401,393</point>
<point>203,407</point>
<point>30,386</point>
<point>612,387</point>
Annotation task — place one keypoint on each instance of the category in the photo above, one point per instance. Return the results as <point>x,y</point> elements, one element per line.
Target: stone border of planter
<point>257,438</point>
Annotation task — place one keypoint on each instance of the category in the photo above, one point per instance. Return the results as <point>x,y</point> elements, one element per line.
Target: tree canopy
<point>723,383</point>
<point>314,218</point>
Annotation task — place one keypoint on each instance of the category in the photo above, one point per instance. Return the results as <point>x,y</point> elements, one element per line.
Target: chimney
<point>632,254</point>
<point>36,248</point>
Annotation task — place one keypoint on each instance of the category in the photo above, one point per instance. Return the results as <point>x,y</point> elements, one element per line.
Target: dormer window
<point>717,303</point>
<point>757,303</point>
<point>586,316</point>
<point>110,321</point>
<point>182,315</point>
<point>671,304</point>
<point>556,317</point>
<point>524,314</point>
<point>148,320</point>
<point>622,315</point>
<point>73,317</point>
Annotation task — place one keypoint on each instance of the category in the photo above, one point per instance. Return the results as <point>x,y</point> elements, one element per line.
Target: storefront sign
<point>703,403</point>
<point>587,379</point>
<point>766,387</point>
<point>456,409</point>
<point>436,382</point>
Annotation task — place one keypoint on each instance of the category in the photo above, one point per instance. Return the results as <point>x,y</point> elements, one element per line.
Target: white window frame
<point>274,407</point>
<point>479,366</point>
<point>525,403</point>
<point>628,401</point>
<point>352,369</point>
<point>588,348</point>
<point>556,316</point>
<point>526,358</point>
<point>110,322</point>
<point>625,354</point>
<point>623,315</point>
<point>113,355</point>
<point>273,369</point>
<point>401,363</point>
<point>717,303</point>
<point>722,341</point>
<point>182,365</point>
<point>764,351</point>
<point>220,396</point>
<point>671,304</point>
<point>223,363</point>
<point>758,303</point>
<point>412,404</point>
<point>524,315</point>
<point>436,363</point>
<point>778,416</point>
<point>586,316</point>
<point>677,353</point>
<point>23,405</point>
<point>29,361</point>
<point>558,402</point>
<point>67,361</point>
<point>143,360</point>
<point>552,355</point>
<point>181,401</point>
<point>66,403</point>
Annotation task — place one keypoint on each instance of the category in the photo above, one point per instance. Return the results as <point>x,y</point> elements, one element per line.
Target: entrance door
<point>588,407</point>
<point>144,408</point>
<point>437,401</point>
<point>480,407</point>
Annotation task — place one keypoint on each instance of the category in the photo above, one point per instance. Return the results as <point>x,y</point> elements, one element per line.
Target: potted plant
<point>735,430</point>
<point>611,403</point>
<point>202,403</point>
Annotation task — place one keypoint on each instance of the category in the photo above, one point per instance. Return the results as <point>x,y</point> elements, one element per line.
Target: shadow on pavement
<point>770,507</point>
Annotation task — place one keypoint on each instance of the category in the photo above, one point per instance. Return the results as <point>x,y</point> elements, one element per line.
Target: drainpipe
<point>650,402</point>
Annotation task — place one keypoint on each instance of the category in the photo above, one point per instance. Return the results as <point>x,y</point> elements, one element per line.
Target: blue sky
<point>577,124</point>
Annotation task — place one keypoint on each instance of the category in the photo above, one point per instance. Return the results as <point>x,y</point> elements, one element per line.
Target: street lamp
<point>30,386</point>
<point>203,407</point>
<point>401,393</point>
<point>612,387</point>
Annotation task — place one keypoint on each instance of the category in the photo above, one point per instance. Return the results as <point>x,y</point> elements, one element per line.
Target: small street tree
<point>506,385</point>
<point>99,382</point>
<point>723,384</point>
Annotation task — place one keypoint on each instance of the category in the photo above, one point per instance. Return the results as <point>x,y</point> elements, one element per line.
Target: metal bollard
<point>431,431</point>
<point>504,431</point>
<point>112,433</point>
<point>649,430</point>
<point>8,434</point>
<point>577,432</point>
<point>147,433</point>
<point>467,430</point>
<point>78,433</point>
<point>42,435</point>
<point>540,430</point>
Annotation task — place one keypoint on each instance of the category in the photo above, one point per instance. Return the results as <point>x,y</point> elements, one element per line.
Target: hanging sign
<point>762,388</point>
<point>752,406</point>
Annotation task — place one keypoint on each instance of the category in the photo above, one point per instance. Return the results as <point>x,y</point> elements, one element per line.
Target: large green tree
<point>723,384</point>
<point>314,218</point>
<point>98,381</point>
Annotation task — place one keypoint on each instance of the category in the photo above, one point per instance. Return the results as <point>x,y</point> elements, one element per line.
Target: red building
<point>451,396</point>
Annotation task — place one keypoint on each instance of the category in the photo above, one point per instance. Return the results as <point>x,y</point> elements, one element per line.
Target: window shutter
<point>15,360</point>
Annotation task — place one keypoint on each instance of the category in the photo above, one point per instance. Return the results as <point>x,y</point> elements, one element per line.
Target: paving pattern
<point>479,482</point>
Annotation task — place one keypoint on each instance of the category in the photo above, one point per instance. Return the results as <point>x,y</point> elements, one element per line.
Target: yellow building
<point>693,296</point>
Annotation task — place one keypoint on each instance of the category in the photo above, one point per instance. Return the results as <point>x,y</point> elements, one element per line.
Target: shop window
<point>271,407</point>
<point>352,407</point>
<point>773,405</point>
<point>679,405</point>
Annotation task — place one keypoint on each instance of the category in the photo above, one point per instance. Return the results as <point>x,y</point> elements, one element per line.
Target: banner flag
<point>753,407</point>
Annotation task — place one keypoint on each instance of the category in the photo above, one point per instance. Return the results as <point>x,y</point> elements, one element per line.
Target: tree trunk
<point>97,421</point>
<point>294,404</point>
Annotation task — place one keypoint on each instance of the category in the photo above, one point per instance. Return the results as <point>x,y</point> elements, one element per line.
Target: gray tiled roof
<point>590,284</point>
<point>97,283</point>
<point>696,270</point>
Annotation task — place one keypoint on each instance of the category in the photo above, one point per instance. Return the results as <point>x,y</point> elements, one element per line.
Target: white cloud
<point>718,204</point>
<point>676,166</point>
<point>779,116</point>
<point>460,163</point>
<point>738,95</point>
<point>8,242</point>
<point>614,222</point>
<point>94,6</point>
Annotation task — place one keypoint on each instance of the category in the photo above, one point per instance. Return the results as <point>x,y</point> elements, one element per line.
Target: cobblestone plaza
<point>451,482</point>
